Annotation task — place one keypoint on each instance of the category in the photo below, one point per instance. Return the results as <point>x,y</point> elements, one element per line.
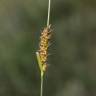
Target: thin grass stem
<point>48,18</point>
<point>41,91</point>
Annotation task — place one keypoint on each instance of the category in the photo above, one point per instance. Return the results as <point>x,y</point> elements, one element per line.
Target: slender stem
<point>48,18</point>
<point>41,92</point>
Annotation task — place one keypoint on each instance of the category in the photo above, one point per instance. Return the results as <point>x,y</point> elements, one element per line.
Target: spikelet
<point>42,53</point>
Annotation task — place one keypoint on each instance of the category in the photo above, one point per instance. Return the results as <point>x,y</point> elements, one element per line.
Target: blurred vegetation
<point>72,63</point>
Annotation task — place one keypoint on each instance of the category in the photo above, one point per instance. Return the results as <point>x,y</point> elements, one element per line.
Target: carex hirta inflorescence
<point>42,53</point>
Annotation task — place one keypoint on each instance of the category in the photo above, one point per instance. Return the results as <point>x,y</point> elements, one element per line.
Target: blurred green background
<point>72,60</point>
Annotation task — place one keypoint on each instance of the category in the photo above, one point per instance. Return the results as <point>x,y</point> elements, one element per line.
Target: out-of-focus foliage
<point>72,63</point>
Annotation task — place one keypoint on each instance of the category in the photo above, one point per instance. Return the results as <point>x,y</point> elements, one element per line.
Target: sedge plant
<point>42,52</point>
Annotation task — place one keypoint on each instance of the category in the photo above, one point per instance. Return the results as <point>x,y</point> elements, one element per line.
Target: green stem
<point>41,91</point>
<point>48,17</point>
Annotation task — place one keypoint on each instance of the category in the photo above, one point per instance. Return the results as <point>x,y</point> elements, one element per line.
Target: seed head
<point>43,46</point>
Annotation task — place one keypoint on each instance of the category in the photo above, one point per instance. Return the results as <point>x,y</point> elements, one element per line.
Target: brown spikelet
<point>43,45</point>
